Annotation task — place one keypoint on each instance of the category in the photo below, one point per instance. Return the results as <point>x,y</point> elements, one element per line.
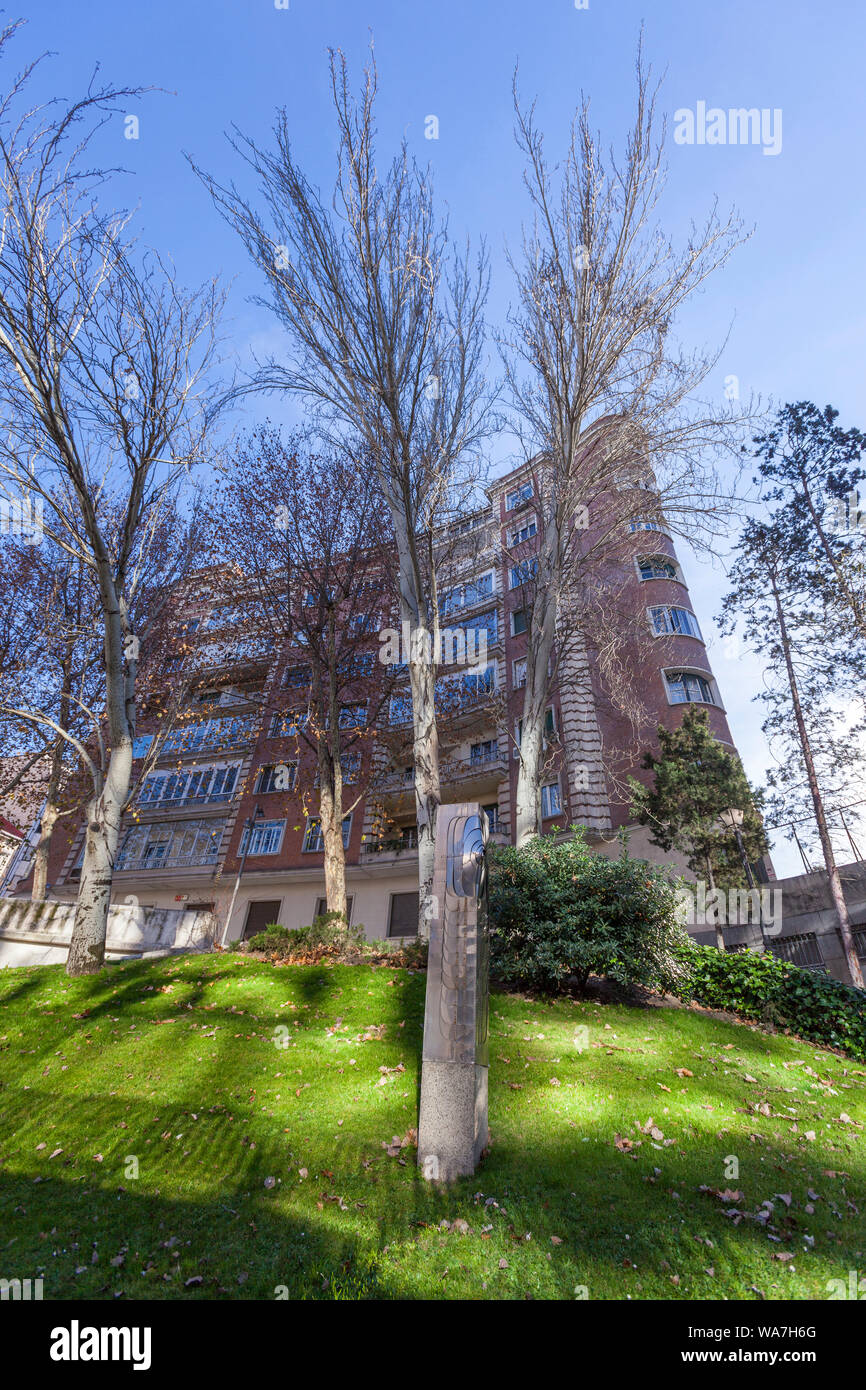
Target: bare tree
<point>605,401</point>
<point>385,320</point>
<point>104,391</point>
<point>51,669</point>
<point>305,551</point>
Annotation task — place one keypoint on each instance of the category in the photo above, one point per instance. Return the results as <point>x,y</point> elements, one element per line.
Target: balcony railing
<point>211,735</point>
<point>477,765</point>
<point>393,845</point>
<point>171,803</point>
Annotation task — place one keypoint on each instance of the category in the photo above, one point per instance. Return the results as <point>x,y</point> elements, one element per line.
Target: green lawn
<point>261,1166</point>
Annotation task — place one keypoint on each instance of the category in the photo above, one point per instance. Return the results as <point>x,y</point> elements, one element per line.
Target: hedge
<point>757,985</point>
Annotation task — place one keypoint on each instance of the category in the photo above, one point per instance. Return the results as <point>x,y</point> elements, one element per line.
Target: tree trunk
<point>817,802</point>
<point>43,849</point>
<point>87,947</point>
<point>428,795</point>
<point>720,931</point>
<point>51,809</point>
<point>330,811</point>
<point>527,801</point>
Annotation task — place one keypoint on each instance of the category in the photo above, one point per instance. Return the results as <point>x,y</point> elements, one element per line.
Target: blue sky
<point>793,295</point>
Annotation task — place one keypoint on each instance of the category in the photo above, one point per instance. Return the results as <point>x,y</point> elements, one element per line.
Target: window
<point>364,622</point>
<point>314,841</point>
<point>551,800</point>
<point>356,666</point>
<point>141,744</point>
<point>687,688</point>
<point>494,824</point>
<point>804,951</point>
<point>519,673</point>
<point>325,596</point>
<point>211,733</point>
<point>476,683</point>
<point>227,616</point>
<point>197,784</point>
<point>277,777</point>
<point>403,914</point>
<point>482,622</point>
<point>170,845</point>
<point>484,752</point>
<point>549,727</point>
<point>352,716</point>
<point>471,523</point>
<point>322,907</point>
<point>677,621</point>
<point>400,709</point>
<point>297,677</point>
<point>644,526</point>
<point>518,622</point>
<point>288,724</point>
<point>468,594</point>
<point>520,494</point>
<point>524,532</point>
<point>523,571</point>
<point>656,567</point>
<point>261,915</point>
<point>266,837</point>
<point>350,764</point>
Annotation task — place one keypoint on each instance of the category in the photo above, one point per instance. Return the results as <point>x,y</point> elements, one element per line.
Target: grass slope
<point>171,1067</point>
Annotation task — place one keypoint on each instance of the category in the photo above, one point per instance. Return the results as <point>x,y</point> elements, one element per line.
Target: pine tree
<point>695,780</point>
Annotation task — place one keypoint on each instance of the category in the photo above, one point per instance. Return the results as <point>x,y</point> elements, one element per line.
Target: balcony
<point>182,860</point>
<point>228,653</point>
<point>177,803</point>
<point>484,760</point>
<point>211,735</point>
<point>171,845</point>
<point>393,845</point>
<point>481,772</point>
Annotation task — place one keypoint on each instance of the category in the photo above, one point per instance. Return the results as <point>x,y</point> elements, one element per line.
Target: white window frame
<point>518,677</point>
<point>271,768</point>
<point>513,615</point>
<point>523,572</point>
<point>713,703</point>
<point>550,787</point>
<point>401,700</point>
<point>664,610</point>
<point>258,831</point>
<point>675,578</point>
<point>530,527</point>
<point>522,493</point>
<point>319,846</point>
<point>470,594</point>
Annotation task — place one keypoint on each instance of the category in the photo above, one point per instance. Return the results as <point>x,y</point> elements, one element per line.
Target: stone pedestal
<point>452,1127</point>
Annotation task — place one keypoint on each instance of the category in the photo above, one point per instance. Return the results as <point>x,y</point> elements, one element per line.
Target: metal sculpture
<point>452,1129</point>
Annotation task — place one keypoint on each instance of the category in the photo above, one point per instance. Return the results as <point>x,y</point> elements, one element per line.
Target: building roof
<point>7,828</point>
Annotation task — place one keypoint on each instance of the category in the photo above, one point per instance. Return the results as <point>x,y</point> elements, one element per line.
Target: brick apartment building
<point>209,811</point>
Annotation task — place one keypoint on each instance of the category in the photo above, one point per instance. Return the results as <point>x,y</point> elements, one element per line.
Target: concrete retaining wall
<point>40,933</point>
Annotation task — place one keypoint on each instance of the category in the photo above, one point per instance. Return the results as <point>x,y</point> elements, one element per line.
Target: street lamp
<point>732,819</point>
<point>248,829</point>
